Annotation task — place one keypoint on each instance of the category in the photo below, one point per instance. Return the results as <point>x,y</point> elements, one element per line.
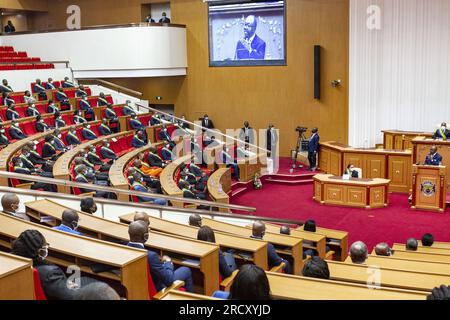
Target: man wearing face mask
<point>59,143</point>
<point>150,181</point>
<point>138,140</point>
<point>11,113</point>
<point>137,185</point>
<point>442,133</point>
<point>111,115</point>
<point>207,123</point>
<point>154,159</point>
<point>350,171</point>
<point>86,107</point>
<point>10,204</point>
<point>4,141</point>
<point>72,137</point>
<point>32,111</point>
<point>155,120</point>
<point>106,152</point>
<point>127,109</point>
<point>104,129</point>
<point>81,92</point>
<point>87,133</point>
<point>52,108</point>
<point>165,136</point>
<point>48,149</point>
<point>40,125</point>
<point>258,232</point>
<point>59,121</point>
<point>63,99</point>
<point>16,132</point>
<point>230,162</point>
<point>135,123</point>
<point>19,167</point>
<point>78,118</point>
<point>69,222</point>
<point>166,152</point>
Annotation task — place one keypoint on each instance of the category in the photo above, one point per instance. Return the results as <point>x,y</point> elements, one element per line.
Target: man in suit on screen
<point>251,47</point>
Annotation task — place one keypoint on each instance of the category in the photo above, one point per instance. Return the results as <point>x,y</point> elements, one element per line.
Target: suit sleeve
<point>224,269</point>
<point>161,272</point>
<point>274,258</point>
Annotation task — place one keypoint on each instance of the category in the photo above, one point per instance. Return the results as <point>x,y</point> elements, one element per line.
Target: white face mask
<point>43,253</point>
<point>88,127</point>
<point>19,164</point>
<point>2,131</point>
<point>16,125</point>
<point>34,147</point>
<point>59,135</point>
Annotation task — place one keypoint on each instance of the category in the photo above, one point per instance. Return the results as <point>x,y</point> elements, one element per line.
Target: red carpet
<point>395,223</point>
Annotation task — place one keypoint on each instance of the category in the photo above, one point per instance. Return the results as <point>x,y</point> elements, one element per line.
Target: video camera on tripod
<point>302,145</point>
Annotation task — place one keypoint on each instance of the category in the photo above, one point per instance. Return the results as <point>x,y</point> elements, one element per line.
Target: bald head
<point>142,216</point>
<point>195,220</point>
<point>383,249</point>
<point>10,202</point>
<point>358,252</point>
<point>138,232</point>
<point>70,218</point>
<point>258,229</point>
<point>285,230</point>
<point>433,150</point>
<point>250,26</point>
<point>412,244</point>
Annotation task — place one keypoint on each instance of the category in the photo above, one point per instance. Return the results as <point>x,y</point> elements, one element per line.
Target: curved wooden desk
<point>168,184</point>
<point>61,168</point>
<point>401,140</point>
<point>16,278</point>
<point>219,185</point>
<point>365,193</point>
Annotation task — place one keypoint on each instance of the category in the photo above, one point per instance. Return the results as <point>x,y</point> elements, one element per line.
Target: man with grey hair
<point>412,244</point>
<point>358,252</point>
<point>251,47</point>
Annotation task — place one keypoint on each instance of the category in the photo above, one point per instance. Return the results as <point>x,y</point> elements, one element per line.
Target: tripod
<point>300,141</point>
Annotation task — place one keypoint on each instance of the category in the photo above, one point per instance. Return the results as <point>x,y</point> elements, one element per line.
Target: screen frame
<point>247,63</point>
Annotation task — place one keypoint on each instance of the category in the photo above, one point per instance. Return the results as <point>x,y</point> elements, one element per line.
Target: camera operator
<point>313,147</point>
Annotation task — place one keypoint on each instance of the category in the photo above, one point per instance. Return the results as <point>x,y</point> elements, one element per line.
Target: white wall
<point>20,80</point>
<point>400,74</point>
<point>114,52</point>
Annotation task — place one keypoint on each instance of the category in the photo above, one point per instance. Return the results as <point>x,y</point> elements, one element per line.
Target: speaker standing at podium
<point>313,147</point>
<point>434,158</point>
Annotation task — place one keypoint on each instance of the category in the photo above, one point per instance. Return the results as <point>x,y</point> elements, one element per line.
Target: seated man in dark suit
<point>67,83</point>
<point>442,133</point>
<point>63,99</point>
<point>138,140</point>
<point>15,132</point>
<point>166,152</point>
<point>52,108</point>
<point>49,149</point>
<point>162,272</point>
<point>136,181</point>
<point>40,124</point>
<point>165,136</point>
<point>127,109</point>
<point>11,113</point>
<point>32,111</point>
<point>189,192</point>
<point>59,121</point>
<point>40,90</point>
<point>102,101</point>
<point>258,232</point>
<point>135,123</point>
<point>111,115</point>
<point>87,133</point>
<point>86,107</point>
<point>5,87</point>
<point>10,204</point>
<point>433,158</point>
<point>251,47</point>
<point>72,137</point>
<point>37,159</point>
<point>4,141</point>
<point>150,181</point>
<point>164,18</point>
<point>106,152</point>
<point>155,120</point>
<point>50,85</point>
<point>81,92</point>
<point>230,162</point>
<point>19,167</point>
<point>104,128</point>
<point>59,143</point>
<point>78,117</point>
<point>350,171</point>
<point>154,160</point>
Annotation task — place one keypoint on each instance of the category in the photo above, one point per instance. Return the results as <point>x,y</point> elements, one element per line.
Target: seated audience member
<point>441,293</point>
<point>81,92</point>
<point>155,120</point>
<point>31,244</point>
<point>149,180</point>
<point>358,252</point>
<point>72,137</point>
<point>154,159</point>
<point>258,232</point>
<point>11,113</point>
<point>195,220</point>
<point>211,141</point>
<point>442,133</point>
<point>427,240</point>
<point>164,18</point>
<point>59,143</point>
<point>40,90</point>
<point>127,109</point>
<point>412,244</point>
<point>32,111</point>
<point>135,123</point>
<point>138,140</point>
<point>166,152</point>
<point>63,99</point>
<point>310,226</point>
<point>41,125</point>
<point>433,158</point>
<point>5,87</point>
<point>162,272</point>
<point>85,106</point>
<point>104,129</point>
<point>149,19</point>
<point>316,267</point>
<point>205,233</point>
<point>10,205</point>
<point>59,121</point>
<point>78,117</point>
<point>187,175</point>
<point>28,98</point>
<point>9,28</point>
<point>230,162</point>
<point>36,158</point>
<point>351,172</point>
<point>102,100</point>
<point>96,291</point>
<point>69,222</point>
<point>87,205</point>
<point>250,283</point>
<point>67,83</point>
<point>7,100</point>
<point>48,149</point>
<point>19,167</point>
<point>189,192</point>
<point>106,152</point>
<point>52,108</point>
<point>50,85</point>
<point>4,141</point>
<point>165,136</point>
<point>136,184</point>
<point>383,249</point>
<point>16,132</point>
<point>87,133</point>
<point>111,115</point>
<point>285,230</point>
<point>92,156</point>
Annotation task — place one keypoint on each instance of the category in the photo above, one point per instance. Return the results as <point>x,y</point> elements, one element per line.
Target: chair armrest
<point>24,185</point>
<point>278,268</point>
<point>329,255</point>
<point>177,284</point>
<point>226,283</point>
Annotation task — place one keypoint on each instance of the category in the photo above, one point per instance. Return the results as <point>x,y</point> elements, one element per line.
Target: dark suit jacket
<point>165,20</point>
<point>9,29</point>
<point>16,134</point>
<point>48,151</point>
<point>161,273</point>
<point>154,160</point>
<point>32,113</point>
<point>88,135</point>
<point>164,135</point>
<point>438,134</point>
<point>11,115</point>
<point>137,143</point>
<point>36,158</point>
<point>435,161</point>
<point>224,268</point>
<point>94,159</point>
<point>53,282</point>
<point>72,140</point>
<point>269,142</point>
<point>258,50</point>
<point>108,154</point>
<point>104,130</point>
<point>210,124</point>
<point>41,127</point>
<point>136,124</point>
<point>167,155</point>
<point>4,140</point>
<point>313,144</point>
<point>273,258</point>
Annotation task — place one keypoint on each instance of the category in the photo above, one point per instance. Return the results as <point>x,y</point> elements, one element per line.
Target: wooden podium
<point>429,187</point>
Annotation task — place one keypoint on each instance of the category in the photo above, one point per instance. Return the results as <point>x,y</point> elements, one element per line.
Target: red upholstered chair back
<point>38,291</point>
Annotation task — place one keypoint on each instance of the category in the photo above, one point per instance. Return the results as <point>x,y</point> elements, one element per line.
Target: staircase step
<point>296,182</point>
<point>237,191</point>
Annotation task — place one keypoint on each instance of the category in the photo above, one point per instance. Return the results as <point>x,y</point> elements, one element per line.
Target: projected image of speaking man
<point>251,47</point>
